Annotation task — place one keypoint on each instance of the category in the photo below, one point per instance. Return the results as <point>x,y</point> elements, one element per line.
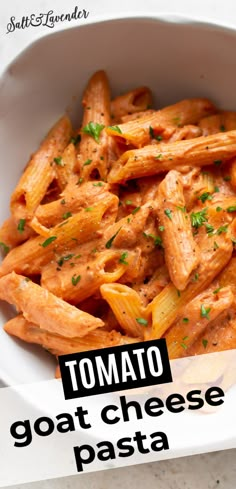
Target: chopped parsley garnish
<point>157,239</point>
<point>196,277</point>
<point>58,161</point>
<point>185,320</point>
<point>5,248</point>
<point>66,215</point>
<point>205,312</point>
<point>48,241</point>
<point>152,135</point>
<point>158,157</point>
<point>76,139</point>
<point>136,210</point>
<point>216,189</point>
<point>218,209</point>
<point>217,290</point>
<point>21,225</point>
<point>216,246</point>
<point>63,202</point>
<point>182,209</point>
<point>75,279</point>
<point>205,196</point>
<point>110,241</point>
<point>128,220</point>
<point>88,209</point>
<point>204,342</point>
<point>168,213</point>
<point>232,208</point>
<point>63,259</point>
<point>94,130</point>
<point>79,181</point>
<point>98,184</point>
<point>209,229</point>
<point>222,229</point>
<point>178,293</point>
<point>123,257</point>
<point>142,321</point>
<point>161,228</point>
<point>217,162</point>
<point>222,128</point>
<point>115,128</point>
<point>87,162</point>
<point>128,202</point>
<point>198,218</point>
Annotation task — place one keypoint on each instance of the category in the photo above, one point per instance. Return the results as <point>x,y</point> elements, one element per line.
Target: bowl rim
<point>163,18</point>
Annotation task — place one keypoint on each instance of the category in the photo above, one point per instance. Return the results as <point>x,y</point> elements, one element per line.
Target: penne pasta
<point>181,251</point>
<point>163,122</point>
<point>40,171</point>
<point>94,140</point>
<point>136,100</point>
<point>45,309</point>
<point>152,160</point>
<point>194,319</point>
<point>61,345</point>
<point>127,308</point>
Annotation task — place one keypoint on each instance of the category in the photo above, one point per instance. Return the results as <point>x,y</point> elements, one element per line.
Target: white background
<point>216,470</point>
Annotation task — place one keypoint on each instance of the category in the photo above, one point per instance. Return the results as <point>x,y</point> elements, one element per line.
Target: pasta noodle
<point>123,228</point>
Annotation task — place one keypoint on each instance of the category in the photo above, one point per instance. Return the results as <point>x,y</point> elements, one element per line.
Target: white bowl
<point>175,57</point>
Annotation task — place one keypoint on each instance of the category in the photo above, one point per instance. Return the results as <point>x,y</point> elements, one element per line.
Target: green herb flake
<point>75,140</point>
<point>157,239</point>
<point>136,210</point>
<point>88,209</point>
<point>116,129</point>
<point>182,209</point>
<point>123,258</point>
<point>94,130</point>
<point>142,321</point>
<point>75,279</point>
<point>128,220</point>
<point>205,312</point>
<point>204,342</point>
<point>217,290</point>
<point>198,218</point>
<point>151,132</point>
<point>98,184</point>
<point>196,277</point>
<point>218,209</point>
<point>158,137</point>
<point>63,202</point>
<point>161,228</point>
<point>58,161</point>
<point>168,213</point>
<point>48,241</point>
<point>178,293</point>
<point>110,241</point>
<point>216,246</point>
<point>222,229</point>
<point>66,215</point>
<point>21,226</point>
<point>128,202</point>
<point>5,248</point>
<point>79,181</point>
<point>209,229</point>
<point>87,162</point>
<point>232,208</point>
<point>205,196</point>
<point>63,259</point>
<point>222,128</point>
<point>216,189</point>
<point>185,320</point>
<point>158,157</point>
<point>183,346</point>
<point>217,162</point>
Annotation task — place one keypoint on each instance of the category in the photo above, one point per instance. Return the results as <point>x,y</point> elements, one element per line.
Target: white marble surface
<point>209,471</point>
